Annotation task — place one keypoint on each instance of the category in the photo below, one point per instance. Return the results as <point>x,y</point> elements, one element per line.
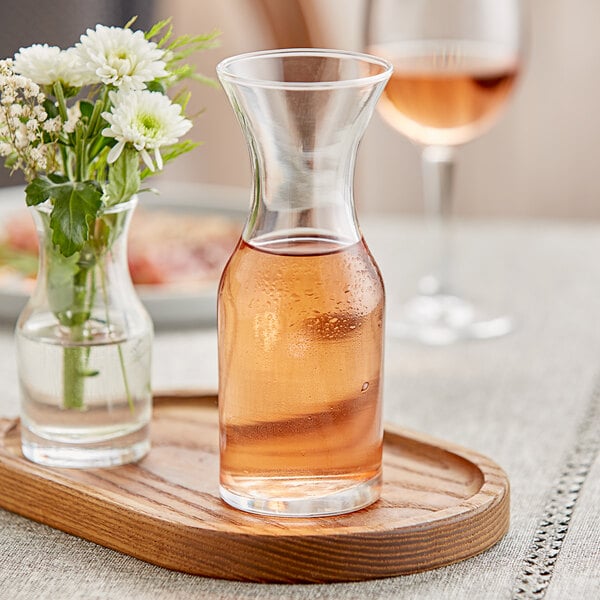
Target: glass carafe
<point>301,301</point>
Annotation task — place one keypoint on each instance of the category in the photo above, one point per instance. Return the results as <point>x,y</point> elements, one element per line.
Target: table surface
<point>530,401</point>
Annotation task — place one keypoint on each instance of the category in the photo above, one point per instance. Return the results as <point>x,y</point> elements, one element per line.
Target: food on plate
<point>179,248</point>
<point>166,248</point>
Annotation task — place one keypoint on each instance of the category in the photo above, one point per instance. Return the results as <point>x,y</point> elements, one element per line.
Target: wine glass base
<point>444,319</point>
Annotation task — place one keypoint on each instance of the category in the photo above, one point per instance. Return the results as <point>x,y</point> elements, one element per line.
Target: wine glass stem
<point>438,173</point>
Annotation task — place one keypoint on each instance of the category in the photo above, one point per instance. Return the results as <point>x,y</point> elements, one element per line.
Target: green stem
<point>119,348</point>
<point>96,124</point>
<point>125,381</point>
<point>74,358</point>
<point>95,118</point>
<point>66,162</point>
<point>61,102</point>
<point>80,159</point>
<point>73,380</point>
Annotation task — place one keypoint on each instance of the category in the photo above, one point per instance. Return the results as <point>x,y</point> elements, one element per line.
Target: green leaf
<point>101,143</point>
<point>182,98</point>
<point>187,44</point>
<point>123,177</point>
<point>76,205</point>
<point>86,108</point>
<point>58,178</point>
<point>157,28</point>
<point>11,160</point>
<point>89,372</point>
<point>174,150</point>
<point>40,189</point>
<point>187,71</point>
<point>171,152</point>
<point>98,170</point>
<point>70,91</point>
<point>165,37</point>
<point>50,108</point>
<point>130,22</point>
<point>156,86</point>
<point>60,284</point>
<point>205,80</point>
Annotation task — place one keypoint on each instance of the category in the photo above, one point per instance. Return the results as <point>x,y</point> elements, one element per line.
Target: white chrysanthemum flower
<point>38,63</point>
<point>121,57</point>
<point>45,65</point>
<point>76,71</point>
<point>147,120</point>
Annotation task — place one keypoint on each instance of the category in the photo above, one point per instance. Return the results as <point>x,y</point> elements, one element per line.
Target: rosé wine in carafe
<point>301,301</point>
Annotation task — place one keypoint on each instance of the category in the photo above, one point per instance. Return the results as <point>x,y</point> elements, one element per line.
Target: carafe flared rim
<point>225,69</point>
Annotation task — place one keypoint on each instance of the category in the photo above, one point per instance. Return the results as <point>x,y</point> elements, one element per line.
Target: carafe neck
<point>303,114</point>
<point>302,190</point>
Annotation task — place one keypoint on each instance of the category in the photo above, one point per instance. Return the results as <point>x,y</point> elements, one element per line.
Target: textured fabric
<point>523,400</point>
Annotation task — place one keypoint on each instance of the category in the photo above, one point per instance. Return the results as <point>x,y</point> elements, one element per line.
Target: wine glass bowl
<point>455,65</point>
<point>445,93</point>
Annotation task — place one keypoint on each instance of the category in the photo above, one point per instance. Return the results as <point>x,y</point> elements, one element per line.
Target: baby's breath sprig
<point>25,129</point>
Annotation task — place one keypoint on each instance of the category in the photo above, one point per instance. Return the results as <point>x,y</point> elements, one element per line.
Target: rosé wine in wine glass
<point>455,65</point>
<point>446,92</point>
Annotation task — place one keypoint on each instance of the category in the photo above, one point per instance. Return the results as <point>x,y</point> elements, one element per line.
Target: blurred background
<point>540,160</point>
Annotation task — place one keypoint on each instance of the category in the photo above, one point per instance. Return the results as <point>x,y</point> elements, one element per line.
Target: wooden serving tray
<point>440,504</point>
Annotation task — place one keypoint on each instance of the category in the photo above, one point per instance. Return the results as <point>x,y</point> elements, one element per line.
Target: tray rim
<point>491,498</point>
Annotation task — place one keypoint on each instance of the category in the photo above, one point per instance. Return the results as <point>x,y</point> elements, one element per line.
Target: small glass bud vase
<point>84,351</point>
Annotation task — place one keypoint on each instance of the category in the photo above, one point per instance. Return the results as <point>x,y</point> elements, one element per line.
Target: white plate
<point>167,306</point>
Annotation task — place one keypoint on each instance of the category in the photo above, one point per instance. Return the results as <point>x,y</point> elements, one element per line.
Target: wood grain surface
<point>440,504</point>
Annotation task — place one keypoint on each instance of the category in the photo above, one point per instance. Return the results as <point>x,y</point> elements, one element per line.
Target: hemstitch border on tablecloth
<point>538,566</point>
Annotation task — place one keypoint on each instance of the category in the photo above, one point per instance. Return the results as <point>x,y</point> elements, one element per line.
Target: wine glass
<point>455,65</point>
